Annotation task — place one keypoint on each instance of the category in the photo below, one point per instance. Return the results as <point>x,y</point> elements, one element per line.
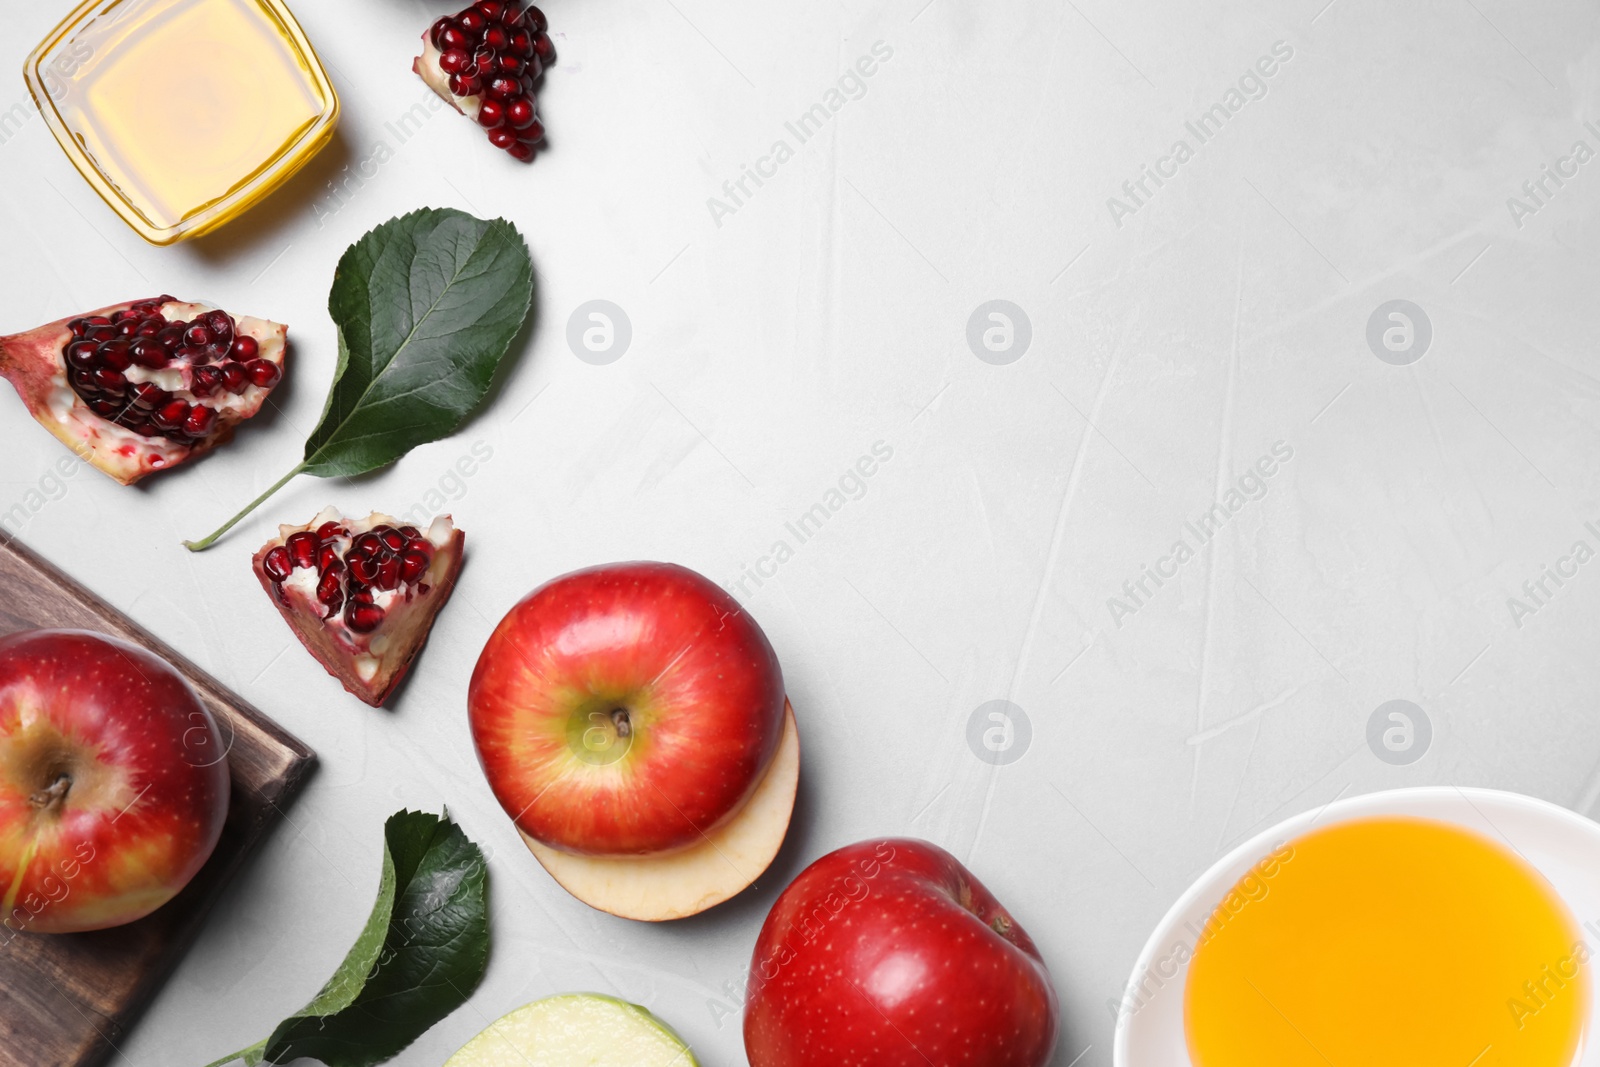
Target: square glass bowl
<point>183,113</point>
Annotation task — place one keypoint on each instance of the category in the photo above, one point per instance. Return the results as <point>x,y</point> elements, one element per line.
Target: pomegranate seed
<point>148,395</point>
<point>126,327</point>
<point>503,138</point>
<point>192,354</point>
<point>150,327</point>
<point>491,113</point>
<point>493,10</point>
<point>521,43</point>
<point>363,618</point>
<point>413,565</point>
<point>520,113</point>
<point>205,381</point>
<point>217,350</point>
<point>410,532</point>
<point>97,320</point>
<point>366,546</point>
<point>148,353</point>
<point>544,48</point>
<point>536,17</point>
<point>77,326</point>
<point>104,408</point>
<point>437,30</point>
<point>534,133</point>
<point>465,85</point>
<point>220,323</point>
<point>200,422</point>
<point>110,381</point>
<point>262,372</point>
<point>496,37</point>
<point>328,555</point>
<point>170,337</point>
<point>363,570</point>
<point>388,573</point>
<point>454,61</point>
<point>245,348</point>
<point>302,548</point>
<point>171,415</point>
<point>329,530</point>
<point>509,64</point>
<point>453,36</point>
<point>115,354</point>
<point>277,564</point>
<point>473,22</point>
<point>197,334</point>
<point>330,590</point>
<point>483,62</point>
<point>234,378</point>
<point>504,88</point>
<point>392,539</point>
<point>80,354</point>
<point>521,150</point>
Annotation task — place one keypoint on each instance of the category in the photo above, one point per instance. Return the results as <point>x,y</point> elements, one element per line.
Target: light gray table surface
<point>1162,340</point>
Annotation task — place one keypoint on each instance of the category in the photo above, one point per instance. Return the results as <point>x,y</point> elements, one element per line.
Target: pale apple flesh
<point>686,882</point>
<point>576,1030</point>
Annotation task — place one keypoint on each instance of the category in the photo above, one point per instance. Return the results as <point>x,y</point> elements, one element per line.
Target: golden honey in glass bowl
<point>183,113</point>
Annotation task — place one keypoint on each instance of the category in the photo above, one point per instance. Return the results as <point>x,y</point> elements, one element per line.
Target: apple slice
<point>576,1030</point>
<point>686,882</point>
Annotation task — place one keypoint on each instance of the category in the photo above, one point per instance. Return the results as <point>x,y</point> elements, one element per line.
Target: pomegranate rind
<point>427,67</point>
<point>33,363</point>
<point>405,631</point>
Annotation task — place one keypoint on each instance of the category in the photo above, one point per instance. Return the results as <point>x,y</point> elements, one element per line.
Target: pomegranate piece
<point>125,388</point>
<point>486,62</point>
<point>361,594</point>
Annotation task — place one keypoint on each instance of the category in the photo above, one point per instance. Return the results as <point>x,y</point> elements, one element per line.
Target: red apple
<point>891,953</point>
<point>113,781</point>
<point>628,713</point>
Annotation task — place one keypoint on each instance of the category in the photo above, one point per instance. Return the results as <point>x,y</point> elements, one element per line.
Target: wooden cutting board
<point>67,1000</point>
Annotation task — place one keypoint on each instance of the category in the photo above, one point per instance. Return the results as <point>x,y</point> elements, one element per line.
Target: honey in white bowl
<point>182,113</point>
<point>1389,942</point>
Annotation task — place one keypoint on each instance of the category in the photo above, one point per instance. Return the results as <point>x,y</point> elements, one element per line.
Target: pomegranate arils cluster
<point>105,349</point>
<point>362,594</point>
<point>486,61</point>
<point>352,569</point>
<point>147,385</point>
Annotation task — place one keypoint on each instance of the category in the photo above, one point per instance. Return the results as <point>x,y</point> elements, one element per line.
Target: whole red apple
<point>113,781</point>
<point>626,710</point>
<point>891,953</point>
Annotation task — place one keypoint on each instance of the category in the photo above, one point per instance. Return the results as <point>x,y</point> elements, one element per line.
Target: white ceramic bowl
<point>1563,846</point>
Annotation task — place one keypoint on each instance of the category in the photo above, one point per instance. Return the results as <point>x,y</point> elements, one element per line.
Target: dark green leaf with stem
<point>426,306</point>
<point>422,952</point>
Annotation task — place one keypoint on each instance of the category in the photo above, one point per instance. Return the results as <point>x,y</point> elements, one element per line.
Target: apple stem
<point>251,1056</point>
<point>52,795</point>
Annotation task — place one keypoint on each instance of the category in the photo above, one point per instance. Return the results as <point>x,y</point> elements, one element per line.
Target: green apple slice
<point>576,1030</point>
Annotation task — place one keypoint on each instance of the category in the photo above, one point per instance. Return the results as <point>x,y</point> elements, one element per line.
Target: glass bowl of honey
<point>182,114</point>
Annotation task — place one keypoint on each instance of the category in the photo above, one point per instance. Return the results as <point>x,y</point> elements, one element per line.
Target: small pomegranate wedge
<point>361,594</point>
<point>485,62</point>
<point>145,386</point>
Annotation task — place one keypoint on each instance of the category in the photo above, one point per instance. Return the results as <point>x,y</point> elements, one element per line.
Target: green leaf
<point>426,307</point>
<point>422,952</point>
